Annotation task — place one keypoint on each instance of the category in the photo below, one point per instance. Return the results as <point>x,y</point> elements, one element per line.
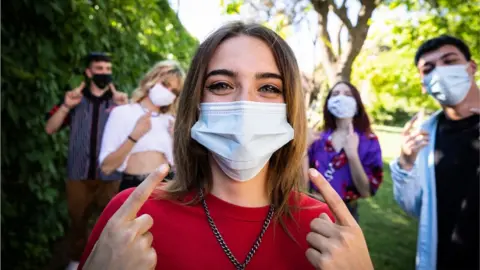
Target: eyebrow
<point>258,75</point>
<point>441,57</point>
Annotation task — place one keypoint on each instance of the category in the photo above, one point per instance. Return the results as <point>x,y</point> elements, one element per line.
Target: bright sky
<point>201,18</point>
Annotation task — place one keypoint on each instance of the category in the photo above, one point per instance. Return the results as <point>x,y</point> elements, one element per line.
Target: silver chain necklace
<point>228,252</point>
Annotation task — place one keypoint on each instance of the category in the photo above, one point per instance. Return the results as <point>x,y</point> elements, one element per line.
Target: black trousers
<point>131,180</point>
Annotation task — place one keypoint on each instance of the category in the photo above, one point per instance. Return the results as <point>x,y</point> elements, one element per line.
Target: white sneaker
<point>72,265</point>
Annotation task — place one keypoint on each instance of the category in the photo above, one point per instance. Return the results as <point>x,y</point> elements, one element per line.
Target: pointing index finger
<point>410,123</point>
<point>79,89</point>
<point>333,200</point>
<point>141,194</point>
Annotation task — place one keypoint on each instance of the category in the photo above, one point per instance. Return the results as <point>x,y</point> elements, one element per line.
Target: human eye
<point>219,87</point>
<point>270,89</point>
<point>166,84</point>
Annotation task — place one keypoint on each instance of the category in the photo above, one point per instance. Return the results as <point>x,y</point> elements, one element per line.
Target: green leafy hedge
<point>43,42</point>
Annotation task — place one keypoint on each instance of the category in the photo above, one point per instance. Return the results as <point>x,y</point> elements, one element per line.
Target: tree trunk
<point>339,67</point>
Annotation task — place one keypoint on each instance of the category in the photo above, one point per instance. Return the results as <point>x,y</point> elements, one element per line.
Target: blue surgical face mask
<point>342,106</point>
<point>448,84</point>
<point>242,135</point>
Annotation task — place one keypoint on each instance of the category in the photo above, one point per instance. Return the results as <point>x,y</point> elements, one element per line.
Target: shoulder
<point>368,136</point>
<point>124,110</point>
<point>168,116</point>
<point>153,201</point>
<point>307,208</point>
<point>432,121</point>
<point>322,139</point>
<point>369,140</point>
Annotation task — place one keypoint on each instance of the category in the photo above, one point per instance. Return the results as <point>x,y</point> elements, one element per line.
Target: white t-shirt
<point>120,124</point>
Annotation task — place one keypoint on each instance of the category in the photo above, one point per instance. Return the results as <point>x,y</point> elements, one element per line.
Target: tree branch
<point>259,10</point>
<point>341,12</point>
<point>321,6</point>
<point>358,34</point>
<point>365,13</point>
<point>339,43</point>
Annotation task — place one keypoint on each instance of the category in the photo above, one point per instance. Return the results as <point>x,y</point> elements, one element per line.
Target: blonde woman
<point>138,137</point>
<point>235,202</point>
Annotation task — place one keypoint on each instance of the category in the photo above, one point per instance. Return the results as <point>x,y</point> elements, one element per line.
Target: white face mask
<point>448,84</point>
<point>161,96</point>
<point>342,106</point>
<point>242,135</point>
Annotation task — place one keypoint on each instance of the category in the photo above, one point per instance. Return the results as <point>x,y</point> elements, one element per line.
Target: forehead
<point>172,79</point>
<point>100,64</point>
<point>435,55</point>
<point>341,87</point>
<point>244,54</point>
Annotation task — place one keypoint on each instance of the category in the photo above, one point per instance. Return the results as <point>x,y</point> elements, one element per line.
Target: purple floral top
<point>334,165</point>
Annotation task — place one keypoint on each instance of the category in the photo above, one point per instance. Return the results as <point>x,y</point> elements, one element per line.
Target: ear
<point>88,73</point>
<point>473,67</point>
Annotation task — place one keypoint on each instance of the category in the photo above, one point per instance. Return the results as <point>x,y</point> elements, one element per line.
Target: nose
<point>246,92</point>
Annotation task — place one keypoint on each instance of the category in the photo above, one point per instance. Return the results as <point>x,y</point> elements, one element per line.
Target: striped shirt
<point>87,122</point>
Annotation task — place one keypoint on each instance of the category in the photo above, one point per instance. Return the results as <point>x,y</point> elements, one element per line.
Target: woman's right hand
<point>125,242</point>
<point>143,125</point>
<point>412,143</point>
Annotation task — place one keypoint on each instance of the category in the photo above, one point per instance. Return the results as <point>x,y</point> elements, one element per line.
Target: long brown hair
<point>191,158</point>
<point>361,121</point>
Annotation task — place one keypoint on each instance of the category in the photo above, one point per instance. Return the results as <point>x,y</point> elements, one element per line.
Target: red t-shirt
<point>183,238</point>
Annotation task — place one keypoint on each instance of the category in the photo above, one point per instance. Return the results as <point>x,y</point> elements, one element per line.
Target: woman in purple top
<point>347,153</point>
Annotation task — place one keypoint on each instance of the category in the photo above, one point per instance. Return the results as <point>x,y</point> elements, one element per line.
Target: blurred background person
<point>85,111</point>
<point>440,184</point>
<point>138,136</point>
<point>347,153</point>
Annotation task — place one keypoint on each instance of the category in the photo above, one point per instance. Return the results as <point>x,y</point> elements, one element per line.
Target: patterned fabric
<point>87,119</point>
<point>334,165</point>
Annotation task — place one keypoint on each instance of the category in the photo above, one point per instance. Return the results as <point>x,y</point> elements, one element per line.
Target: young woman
<point>347,153</point>
<point>138,136</point>
<point>235,201</point>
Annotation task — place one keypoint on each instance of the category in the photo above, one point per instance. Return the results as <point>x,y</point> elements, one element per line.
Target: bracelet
<point>132,139</point>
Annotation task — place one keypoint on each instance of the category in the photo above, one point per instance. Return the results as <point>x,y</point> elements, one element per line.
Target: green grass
<point>391,234</point>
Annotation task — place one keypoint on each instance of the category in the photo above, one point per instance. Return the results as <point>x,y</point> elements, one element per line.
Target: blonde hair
<point>159,72</point>
<point>191,158</point>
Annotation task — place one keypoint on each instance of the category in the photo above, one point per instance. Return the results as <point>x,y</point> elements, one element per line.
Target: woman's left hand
<point>351,142</point>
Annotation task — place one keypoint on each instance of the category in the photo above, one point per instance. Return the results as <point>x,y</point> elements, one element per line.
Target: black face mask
<point>102,80</point>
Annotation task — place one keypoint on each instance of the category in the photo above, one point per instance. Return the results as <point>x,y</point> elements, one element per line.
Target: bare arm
<point>72,99</point>
<point>114,151</point>
<point>115,159</point>
<point>359,177</point>
<point>57,119</point>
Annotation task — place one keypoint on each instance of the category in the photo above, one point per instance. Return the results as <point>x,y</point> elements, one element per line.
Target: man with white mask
<point>436,177</point>
<point>138,137</point>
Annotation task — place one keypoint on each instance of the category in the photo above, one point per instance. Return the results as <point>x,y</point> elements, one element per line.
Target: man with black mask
<point>436,177</point>
<point>85,110</point>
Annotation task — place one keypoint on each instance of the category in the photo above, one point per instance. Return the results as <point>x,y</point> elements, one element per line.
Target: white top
<point>120,124</point>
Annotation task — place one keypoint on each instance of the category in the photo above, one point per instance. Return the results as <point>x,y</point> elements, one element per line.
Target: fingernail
<point>313,173</point>
<point>163,168</point>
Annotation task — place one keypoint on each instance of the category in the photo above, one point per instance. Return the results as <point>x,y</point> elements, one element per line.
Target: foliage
<point>388,67</point>
<point>43,43</point>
